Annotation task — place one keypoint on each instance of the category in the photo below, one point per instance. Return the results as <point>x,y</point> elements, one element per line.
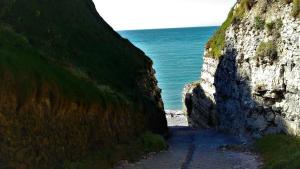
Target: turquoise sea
<point>177,55</point>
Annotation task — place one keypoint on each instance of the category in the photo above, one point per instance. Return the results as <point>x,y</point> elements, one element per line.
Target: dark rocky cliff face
<point>254,84</point>
<point>69,84</point>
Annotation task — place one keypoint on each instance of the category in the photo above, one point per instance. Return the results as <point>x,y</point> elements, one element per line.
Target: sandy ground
<point>176,118</point>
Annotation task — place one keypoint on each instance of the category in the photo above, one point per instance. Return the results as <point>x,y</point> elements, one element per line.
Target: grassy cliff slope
<point>69,84</point>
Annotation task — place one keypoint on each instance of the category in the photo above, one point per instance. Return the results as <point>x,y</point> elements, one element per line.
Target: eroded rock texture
<point>254,88</point>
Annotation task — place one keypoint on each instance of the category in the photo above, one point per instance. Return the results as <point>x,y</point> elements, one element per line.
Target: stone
<point>238,85</point>
<point>270,117</point>
<point>272,130</point>
<point>259,123</point>
<point>198,107</point>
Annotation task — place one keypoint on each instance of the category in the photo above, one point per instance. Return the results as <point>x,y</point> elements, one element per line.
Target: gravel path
<point>197,149</point>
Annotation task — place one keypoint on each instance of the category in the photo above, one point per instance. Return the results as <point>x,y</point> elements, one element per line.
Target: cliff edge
<point>250,77</point>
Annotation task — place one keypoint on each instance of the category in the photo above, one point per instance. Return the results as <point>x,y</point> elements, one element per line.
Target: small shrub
<point>236,20</point>
<point>245,5</point>
<point>296,8</point>
<point>267,52</point>
<point>270,26</point>
<point>153,142</point>
<point>259,23</point>
<point>274,27</point>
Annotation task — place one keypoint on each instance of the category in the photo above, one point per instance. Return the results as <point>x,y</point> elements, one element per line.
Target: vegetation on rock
<point>296,8</point>
<point>216,44</point>
<point>259,23</point>
<point>267,51</point>
<point>274,27</point>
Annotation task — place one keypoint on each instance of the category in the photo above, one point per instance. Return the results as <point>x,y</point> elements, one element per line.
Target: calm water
<point>177,55</point>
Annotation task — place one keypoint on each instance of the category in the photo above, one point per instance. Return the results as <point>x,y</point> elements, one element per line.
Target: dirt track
<point>198,149</point>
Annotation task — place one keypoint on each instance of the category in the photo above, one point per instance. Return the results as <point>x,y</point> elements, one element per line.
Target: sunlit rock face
<point>254,85</point>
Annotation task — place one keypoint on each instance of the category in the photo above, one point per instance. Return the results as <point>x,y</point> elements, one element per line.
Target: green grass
<point>73,36</point>
<point>132,151</point>
<point>61,54</point>
<point>217,43</point>
<point>29,69</point>
<point>296,8</point>
<point>30,72</point>
<point>279,151</point>
<point>77,84</point>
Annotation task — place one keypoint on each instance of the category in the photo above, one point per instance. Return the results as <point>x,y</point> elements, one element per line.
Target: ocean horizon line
<point>147,29</point>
